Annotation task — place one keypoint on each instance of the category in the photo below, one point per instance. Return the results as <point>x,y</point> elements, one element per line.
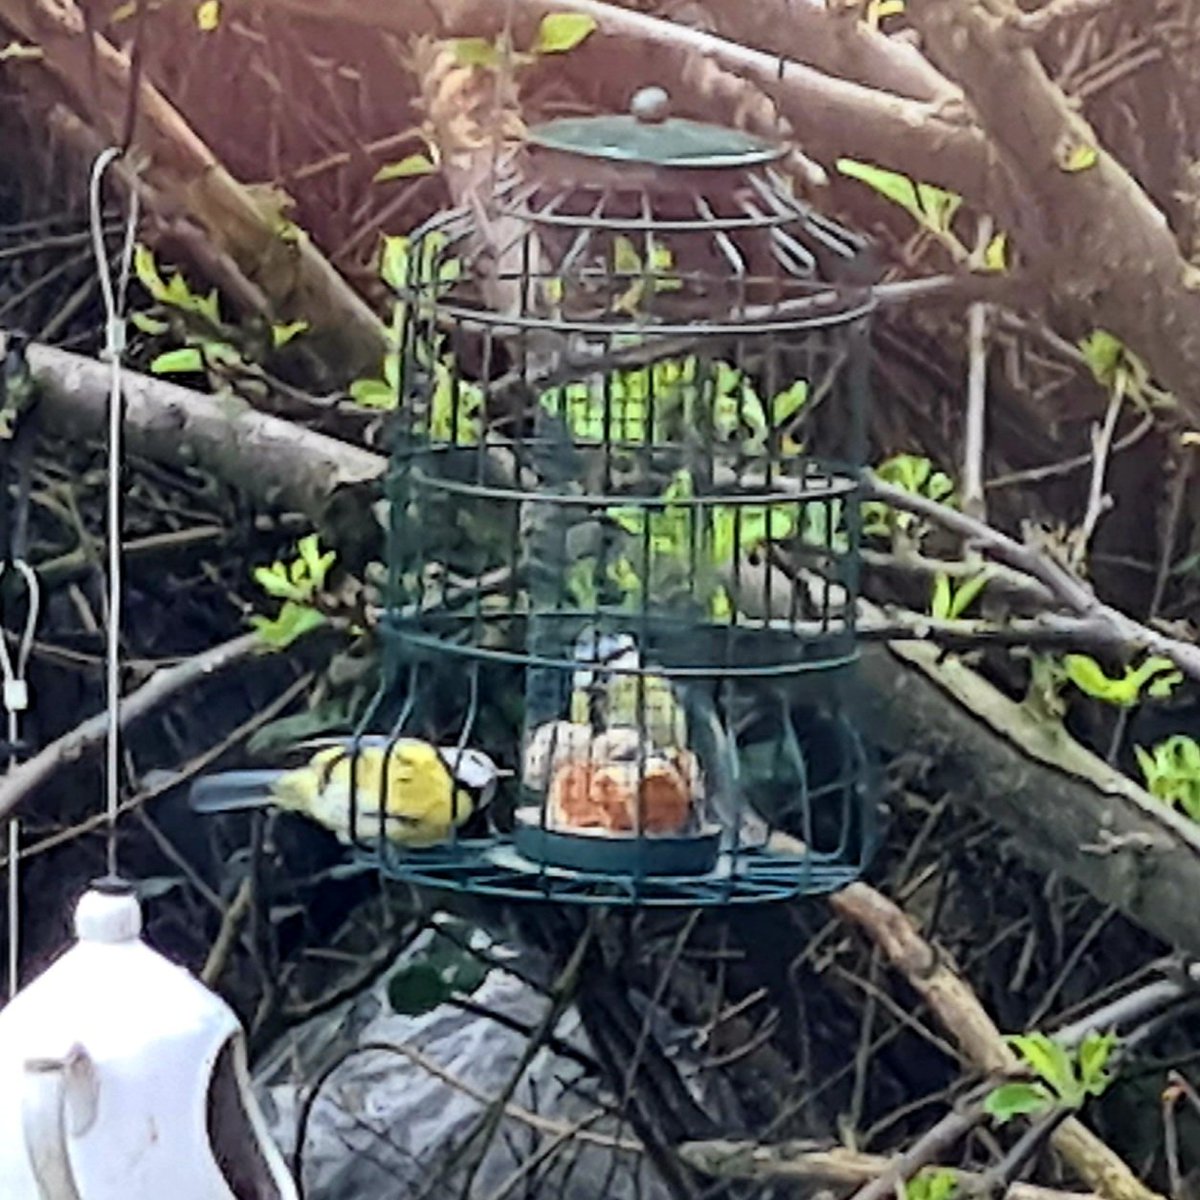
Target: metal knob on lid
<point>651,105</point>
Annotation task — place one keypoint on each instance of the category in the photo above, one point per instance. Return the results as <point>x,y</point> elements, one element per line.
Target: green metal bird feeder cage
<point>624,483</point>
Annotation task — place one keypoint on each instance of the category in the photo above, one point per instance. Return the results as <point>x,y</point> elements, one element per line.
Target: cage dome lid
<point>649,135</point>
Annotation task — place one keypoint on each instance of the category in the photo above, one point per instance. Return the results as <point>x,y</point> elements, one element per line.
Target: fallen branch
<point>1069,810</point>
<point>280,464</point>
<point>88,737</point>
<point>838,1168</point>
<point>960,1012</point>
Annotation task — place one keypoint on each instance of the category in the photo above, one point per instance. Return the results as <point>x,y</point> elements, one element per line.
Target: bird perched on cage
<point>429,791</point>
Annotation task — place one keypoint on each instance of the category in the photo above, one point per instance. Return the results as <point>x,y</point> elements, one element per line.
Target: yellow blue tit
<point>646,703</point>
<point>608,692</point>
<point>430,791</point>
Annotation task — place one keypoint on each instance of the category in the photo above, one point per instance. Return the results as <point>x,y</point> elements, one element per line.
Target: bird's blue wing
<point>231,791</point>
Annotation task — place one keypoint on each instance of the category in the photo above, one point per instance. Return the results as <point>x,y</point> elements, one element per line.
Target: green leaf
<point>476,52</point>
<point>146,270</point>
<point>316,564</point>
<point>890,184</point>
<point>1016,1100</point>
<point>932,1183</point>
<point>406,168</point>
<point>393,262</point>
<point>443,970</point>
<point>789,402</point>
<point>995,257</point>
<point>560,32</point>
<point>1103,353</point>
<point>1077,156</point>
<point>373,393</point>
<point>967,593</point>
<point>417,989</point>
<point>148,324</point>
<point>1087,675</point>
<point>282,334</point>
<point>938,207</point>
<point>626,259</point>
<point>1048,1060</point>
<point>275,581</point>
<point>939,606</point>
<point>294,620</point>
<point>208,15</point>
<point>1094,1053</point>
<point>177,362</point>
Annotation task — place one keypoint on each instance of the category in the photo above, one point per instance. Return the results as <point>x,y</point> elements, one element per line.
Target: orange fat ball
<point>586,796</point>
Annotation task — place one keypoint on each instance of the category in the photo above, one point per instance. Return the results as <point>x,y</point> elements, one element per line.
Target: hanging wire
<point>114,348</point>
<point>16,701</point>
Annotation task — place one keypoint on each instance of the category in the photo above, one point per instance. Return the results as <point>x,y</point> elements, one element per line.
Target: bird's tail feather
<point>232,791</point>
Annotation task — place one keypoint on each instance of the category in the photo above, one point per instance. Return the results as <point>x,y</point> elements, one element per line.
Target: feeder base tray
<point>603,852</point>
<point>495,867</point>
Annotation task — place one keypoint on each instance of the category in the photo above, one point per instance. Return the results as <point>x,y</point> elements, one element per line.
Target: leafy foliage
<point>1172,772</point>
<point>931,1183</point>
<point>1158,676</point>
<point>950,602</point>
<point>1113,364</point>
<point>1063,1077</point>
<point>209,342</point>
<point>912,473</point>
<point>933,208</point>
<point>660,403</point>
<point>297,584</point>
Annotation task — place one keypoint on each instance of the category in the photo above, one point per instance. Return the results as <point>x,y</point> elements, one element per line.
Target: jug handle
<point>45,1114</point>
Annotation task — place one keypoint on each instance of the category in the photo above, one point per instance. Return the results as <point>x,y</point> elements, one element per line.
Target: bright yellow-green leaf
<point>294,620</point>
<point>1048,1059</point>
<point>282,334</point>
<point>176,362</point>
<point>1094,1053</point>
<point>995,257</point>
<point>967,593</point>
<point>476,52</point>
<point>1077,156</point>
<point>1015,1100</point>
<point>1103,353</point>
<point>393,262</point>
<point>943,596</point>
<point>148,324</point>
<point>373,393</point>
<point>877,10</point>
<point>891,184</point>
<point>208,15</point>
<point>146,270</point>
<point>626,259</point>
<point>560,32</point>
<point>406,168</point>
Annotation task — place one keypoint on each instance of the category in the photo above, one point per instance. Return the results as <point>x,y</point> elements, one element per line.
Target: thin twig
<point>235,914</point>
<point>1069,588</point>
<point>89,735</point>
<point>1099,502</point>
<point>974,433</point>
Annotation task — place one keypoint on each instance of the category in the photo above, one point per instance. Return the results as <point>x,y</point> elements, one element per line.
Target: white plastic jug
<point>124,1078</point>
